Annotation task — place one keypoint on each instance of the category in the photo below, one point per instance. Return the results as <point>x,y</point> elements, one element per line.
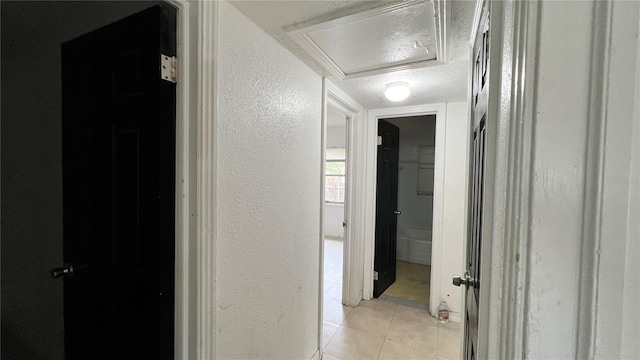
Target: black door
<point>478,174</point>
<point>118,189</point>
<point>386,207</point>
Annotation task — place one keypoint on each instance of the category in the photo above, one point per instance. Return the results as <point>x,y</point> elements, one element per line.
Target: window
<point>335,182</point>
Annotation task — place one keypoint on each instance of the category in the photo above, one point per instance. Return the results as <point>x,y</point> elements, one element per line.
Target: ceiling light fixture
<point>397,91</point>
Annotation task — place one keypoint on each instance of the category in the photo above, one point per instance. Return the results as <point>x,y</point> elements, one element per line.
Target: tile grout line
<point>384,340</point>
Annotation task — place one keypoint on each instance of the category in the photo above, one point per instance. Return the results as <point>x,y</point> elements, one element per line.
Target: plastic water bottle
<point>443,310</point>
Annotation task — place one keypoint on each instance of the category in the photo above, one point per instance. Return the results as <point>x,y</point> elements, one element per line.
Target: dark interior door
<point>118,190</point>
<point>477,220</point>
<point>386,207</point>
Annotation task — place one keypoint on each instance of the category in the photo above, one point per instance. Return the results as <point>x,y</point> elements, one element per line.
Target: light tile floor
<point>379,329</point>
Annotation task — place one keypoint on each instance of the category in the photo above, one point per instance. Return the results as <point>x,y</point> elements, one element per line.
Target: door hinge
<point>168,68</point>
<point>379,140</point>
<point>375,275</point>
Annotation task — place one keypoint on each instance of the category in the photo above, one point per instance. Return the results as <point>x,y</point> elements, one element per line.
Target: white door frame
<point>352,248</point>
<point>194,314</point>
<point>440,111</point>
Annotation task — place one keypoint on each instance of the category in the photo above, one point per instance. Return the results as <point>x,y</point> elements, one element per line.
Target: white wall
<point>336,136</point>
<point>269,159</point>
<point>454,202</point>
<point>32,32</point>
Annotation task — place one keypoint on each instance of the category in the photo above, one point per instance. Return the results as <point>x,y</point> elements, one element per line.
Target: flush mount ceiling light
<point>397,91</point>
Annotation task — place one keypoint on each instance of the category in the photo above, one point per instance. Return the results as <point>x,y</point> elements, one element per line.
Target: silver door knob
<point>465,280</point>
<point>397,212</point>
<point>67,270</point>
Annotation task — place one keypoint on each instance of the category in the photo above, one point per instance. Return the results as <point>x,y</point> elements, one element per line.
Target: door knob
<point>465,280</point>
<point>397,212</point>
<point>67,270</point>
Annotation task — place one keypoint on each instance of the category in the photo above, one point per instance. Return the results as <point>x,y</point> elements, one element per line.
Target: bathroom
<point>415,201</point>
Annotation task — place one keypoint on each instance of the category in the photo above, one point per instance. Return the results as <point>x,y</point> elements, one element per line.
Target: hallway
<point>379,329</point>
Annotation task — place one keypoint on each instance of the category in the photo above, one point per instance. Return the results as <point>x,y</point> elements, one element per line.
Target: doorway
<point>118,122</point>
<point>414,213</point>
<point>334,223</point>
<point>33,31</point>
<point>450,139</point>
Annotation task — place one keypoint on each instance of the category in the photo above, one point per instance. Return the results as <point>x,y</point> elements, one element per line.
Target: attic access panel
<point>390,38</point>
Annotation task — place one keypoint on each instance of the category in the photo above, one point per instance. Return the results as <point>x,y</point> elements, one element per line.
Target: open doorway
<point>35,319</point>
<point>414,213</point>
<point>449,181</point>
<point>334,214</point>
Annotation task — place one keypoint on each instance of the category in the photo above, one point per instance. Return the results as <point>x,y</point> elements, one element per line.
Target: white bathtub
<point>414,245</point>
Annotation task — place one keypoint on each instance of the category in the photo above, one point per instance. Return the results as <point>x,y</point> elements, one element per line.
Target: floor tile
<point>328,286</point>
<point>411,313</point>
<point>453,326</point>
<point>372,322</point>
<point>395,351</point>
<point>335,312</point>
<point>326,356</point>
<point>333,275</point>
<point>334,293</point>
<point>386,307</point>
<point>329,329</point>
<point>351,344</point>
<point>418,334</point>
<point>448,344</point>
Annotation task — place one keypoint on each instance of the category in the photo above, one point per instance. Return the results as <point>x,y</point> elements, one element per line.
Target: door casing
<point>440,111</point>
<point>197,24</point>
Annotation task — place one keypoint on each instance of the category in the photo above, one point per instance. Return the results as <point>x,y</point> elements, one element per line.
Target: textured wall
<point>32,32</point>
<point>269,153</point>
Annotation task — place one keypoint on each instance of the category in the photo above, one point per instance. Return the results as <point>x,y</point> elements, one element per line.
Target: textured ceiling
<point>433,84</point>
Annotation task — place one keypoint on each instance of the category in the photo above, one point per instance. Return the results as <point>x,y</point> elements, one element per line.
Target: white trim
<point>206,174</point>
<point>195,179</point>
<point>369,138</point>
<point>594,177</point>
<point>509,312</point>
<point>608,270</point>
<point>353,245</point>
<point>442,21</point>
<point>184,326</point>
<point>323,168</point>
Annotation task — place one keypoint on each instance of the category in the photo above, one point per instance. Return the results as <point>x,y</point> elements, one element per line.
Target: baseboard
<point>455,317</point>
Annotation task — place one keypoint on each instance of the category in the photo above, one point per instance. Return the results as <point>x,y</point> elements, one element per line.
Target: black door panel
<point>119,190</point>
<point>386,205</point>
